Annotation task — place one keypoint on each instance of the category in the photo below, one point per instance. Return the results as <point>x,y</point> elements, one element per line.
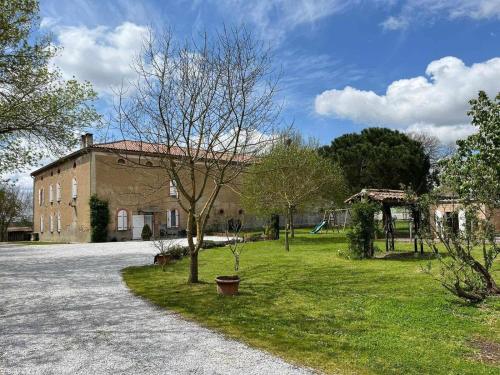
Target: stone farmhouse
<point>137,195</point>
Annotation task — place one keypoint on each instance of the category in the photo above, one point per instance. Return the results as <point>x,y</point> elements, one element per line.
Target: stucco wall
<point>456,207</point>
<point>141,190</point>
<point>75,213</point>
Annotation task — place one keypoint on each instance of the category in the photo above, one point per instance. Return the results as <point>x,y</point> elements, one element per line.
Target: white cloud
<point>395,23</point>
<point>423,11</point>
<point>274,18</point>
<point>48,22</point>
<point>476,9</point>
<point>20,179</point>
<point>438,100</point>
<point>100,55</point>
<point>448,134</point>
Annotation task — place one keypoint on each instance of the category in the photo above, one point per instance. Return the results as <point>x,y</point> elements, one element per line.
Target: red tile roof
<point>381,195</point>
<point>155,148</point>
<point>139,146</point>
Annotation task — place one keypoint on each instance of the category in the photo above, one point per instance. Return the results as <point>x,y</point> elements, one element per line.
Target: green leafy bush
<point>178,251</point>
<point>360,237</point>
<point>208,244</point>
<point>99,219</point>
<point>146,233</point>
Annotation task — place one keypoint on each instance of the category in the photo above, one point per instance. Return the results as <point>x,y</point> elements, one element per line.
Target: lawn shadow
<point>408,256</point>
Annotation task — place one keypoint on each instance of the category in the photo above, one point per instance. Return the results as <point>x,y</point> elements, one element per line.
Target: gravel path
<point>65,310</point>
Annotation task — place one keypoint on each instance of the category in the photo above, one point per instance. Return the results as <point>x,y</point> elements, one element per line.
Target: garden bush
<point>146,233</point>
<point>99,219</point>
<point>178,251</point>
<point>360,237</point>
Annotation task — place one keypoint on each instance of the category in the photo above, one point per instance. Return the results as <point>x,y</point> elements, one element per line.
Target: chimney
<point>87,140</point>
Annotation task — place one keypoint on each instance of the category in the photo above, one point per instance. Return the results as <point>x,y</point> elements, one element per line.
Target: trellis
<point>389,198</point>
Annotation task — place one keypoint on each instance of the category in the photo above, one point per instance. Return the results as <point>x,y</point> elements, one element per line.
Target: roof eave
<point>60,161</point>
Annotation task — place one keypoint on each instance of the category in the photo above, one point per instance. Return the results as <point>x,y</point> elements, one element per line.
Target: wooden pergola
<point>389,198</point>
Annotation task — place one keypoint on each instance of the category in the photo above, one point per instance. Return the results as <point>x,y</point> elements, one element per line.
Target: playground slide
<point>318,227</point>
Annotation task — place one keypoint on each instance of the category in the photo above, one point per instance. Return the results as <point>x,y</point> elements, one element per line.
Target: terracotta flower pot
<point>227,285</point>
<point>161,259</point>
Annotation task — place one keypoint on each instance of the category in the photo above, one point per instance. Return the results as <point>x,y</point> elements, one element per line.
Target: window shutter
<point>58,192</point>
<point>122,220</point>
<point>74,188</point>
<point>41,196</point>
<point>169,221</point>
<point>51,223</point>
<point>173,189</point>
<point>59,222</point>
<point>176,218</point>
<point>119,220</point>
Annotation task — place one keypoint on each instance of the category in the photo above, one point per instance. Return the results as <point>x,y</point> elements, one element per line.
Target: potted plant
<point>169,250</point>
<point>228,285</point>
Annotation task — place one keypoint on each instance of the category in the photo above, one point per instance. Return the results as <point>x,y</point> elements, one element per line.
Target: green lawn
<point>315,308</point>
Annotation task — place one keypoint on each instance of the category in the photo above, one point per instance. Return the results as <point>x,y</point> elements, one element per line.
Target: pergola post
<point>388,227</point>
<point>417,224</point>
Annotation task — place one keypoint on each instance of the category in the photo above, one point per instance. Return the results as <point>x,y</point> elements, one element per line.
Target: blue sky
<point>410,65</point>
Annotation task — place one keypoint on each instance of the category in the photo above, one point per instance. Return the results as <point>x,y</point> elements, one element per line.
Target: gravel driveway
<point>65,310</point>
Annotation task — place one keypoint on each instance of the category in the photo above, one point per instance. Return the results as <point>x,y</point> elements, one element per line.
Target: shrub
<point>253,237</point>
<point>272,228</point>
<point>207,244</point>
<point>362,233</point>
<point>99,219</point>
<point>146,233</point>
<point>178,251</point>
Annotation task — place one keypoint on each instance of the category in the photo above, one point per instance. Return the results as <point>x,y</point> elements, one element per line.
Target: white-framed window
<point>58,192</point>
<point>74,188</point>
<point>173,189</point>
<point>59,222</point>
<point>41,224</point>
<point>122,220</point>
<point>172,218</point>
<point>51,223</point>
<point>51,194</point>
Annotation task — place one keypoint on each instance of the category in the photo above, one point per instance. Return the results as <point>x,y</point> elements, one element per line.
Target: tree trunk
<point>193,268</point>
<point>491,285</point>
<point>287,227</point>
<point>275,224</point>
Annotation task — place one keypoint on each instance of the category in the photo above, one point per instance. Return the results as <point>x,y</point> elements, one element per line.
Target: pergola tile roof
<point>391,196</point>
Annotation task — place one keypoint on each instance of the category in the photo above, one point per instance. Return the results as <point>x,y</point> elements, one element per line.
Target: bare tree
<point>236,242</point>
<point>433,147</point>
<point>13,207</point>
<point>204,108</point>
<point>436,151</point>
